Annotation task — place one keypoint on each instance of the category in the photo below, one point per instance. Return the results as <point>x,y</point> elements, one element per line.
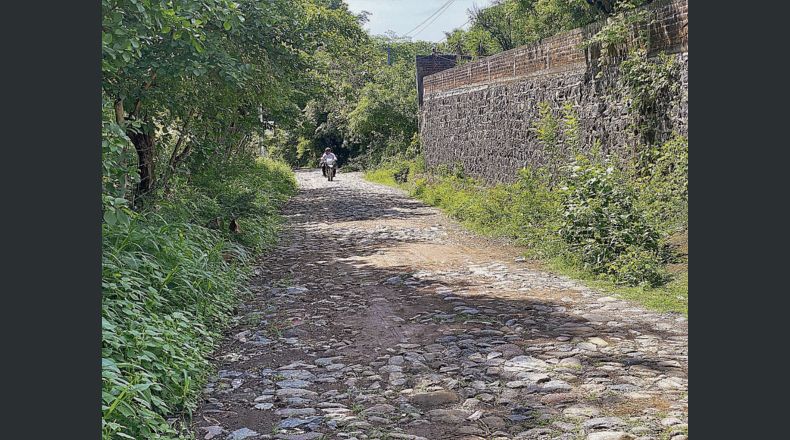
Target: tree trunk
<point>120,119</point>
<point>144,144</point>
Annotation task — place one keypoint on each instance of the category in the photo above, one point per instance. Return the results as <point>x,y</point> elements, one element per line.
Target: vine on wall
<point>650,83</point>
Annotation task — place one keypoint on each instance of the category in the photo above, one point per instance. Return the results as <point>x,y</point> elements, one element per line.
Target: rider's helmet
<point>327,150</point>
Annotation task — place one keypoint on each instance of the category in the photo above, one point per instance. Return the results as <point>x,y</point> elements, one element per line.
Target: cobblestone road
<point>379,318</point>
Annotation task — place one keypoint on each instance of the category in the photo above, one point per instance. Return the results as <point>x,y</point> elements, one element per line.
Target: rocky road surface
<point>377,317</point>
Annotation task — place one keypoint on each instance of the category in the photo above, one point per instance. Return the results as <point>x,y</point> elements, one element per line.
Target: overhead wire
<point>441,9</point>
<point>434,19</point>
<point>425,23</point>
<point>429,17</point>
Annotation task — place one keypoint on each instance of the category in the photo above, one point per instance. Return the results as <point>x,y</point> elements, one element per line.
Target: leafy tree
<point>511,23</point>
<point>193,83</point>
<point>386,111</point>
<point>475,42</point>
<point>501,21</point>
<point>363,105</point>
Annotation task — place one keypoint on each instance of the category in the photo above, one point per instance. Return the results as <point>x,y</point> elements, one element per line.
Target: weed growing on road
<point>277,377</point>
<point>253,319</point>
<point>276,329</point>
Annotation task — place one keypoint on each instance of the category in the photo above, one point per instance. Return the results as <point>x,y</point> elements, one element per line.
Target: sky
<point>401,16</point>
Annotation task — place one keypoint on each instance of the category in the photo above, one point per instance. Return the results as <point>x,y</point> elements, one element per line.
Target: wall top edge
<point>546,42</point>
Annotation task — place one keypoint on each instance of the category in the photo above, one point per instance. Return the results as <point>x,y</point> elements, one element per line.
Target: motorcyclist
<point>327,155</point>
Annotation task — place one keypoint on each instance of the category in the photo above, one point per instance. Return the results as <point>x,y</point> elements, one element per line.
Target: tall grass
<point>170,281</point>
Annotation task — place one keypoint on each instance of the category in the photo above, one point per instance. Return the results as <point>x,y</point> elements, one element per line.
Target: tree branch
<point>138,102</point>
<point>175,156</point>
<point>119,116</point>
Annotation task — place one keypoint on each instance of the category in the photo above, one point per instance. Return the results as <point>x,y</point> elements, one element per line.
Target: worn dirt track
<point>377,317</point>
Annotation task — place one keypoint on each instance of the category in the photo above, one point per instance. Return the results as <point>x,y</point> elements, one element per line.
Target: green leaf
<point>122,217</point>
<point>141,386</point>
<point>196,44</point>
<point>109,217</point>
<point>227,25</point>
<point>110,365</point>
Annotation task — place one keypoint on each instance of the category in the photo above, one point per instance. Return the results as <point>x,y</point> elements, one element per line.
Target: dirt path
<point>379,318</point>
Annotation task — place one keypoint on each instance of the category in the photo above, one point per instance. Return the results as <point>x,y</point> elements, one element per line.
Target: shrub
<point>649,83</point>
<point>166,291</point>
<point>535,210</point>
<point>638,267</point>
<point>396,170</point>
<point>600,221</point>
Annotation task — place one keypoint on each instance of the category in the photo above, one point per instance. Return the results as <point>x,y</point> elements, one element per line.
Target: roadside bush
<point>638,267</point>
<point>601,224</point>
<point>535,213</point>
<point>400,165</point>
<point>245,191</point>
<point>166,291</point>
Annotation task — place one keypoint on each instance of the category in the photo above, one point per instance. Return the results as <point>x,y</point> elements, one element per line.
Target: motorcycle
<point>330,168</point>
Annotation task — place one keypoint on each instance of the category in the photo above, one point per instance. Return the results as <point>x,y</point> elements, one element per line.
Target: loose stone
<point>241,434</point>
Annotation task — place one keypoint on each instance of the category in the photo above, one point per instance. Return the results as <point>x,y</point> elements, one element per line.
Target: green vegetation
<point>367,110</point>
<point>171,278</point>
<point>624,39</point>
<point>193,92</point>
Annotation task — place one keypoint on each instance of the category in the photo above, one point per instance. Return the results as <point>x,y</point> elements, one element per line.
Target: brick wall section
<point>483,113</point>
<point>430,64</point>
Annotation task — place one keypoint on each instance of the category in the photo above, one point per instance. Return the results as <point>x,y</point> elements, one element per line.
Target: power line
<point>429,17</point>
<point>447,3</point>
<point>434,19</point>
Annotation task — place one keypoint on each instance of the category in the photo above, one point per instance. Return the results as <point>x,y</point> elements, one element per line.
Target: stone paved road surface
<point>378,318</point>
